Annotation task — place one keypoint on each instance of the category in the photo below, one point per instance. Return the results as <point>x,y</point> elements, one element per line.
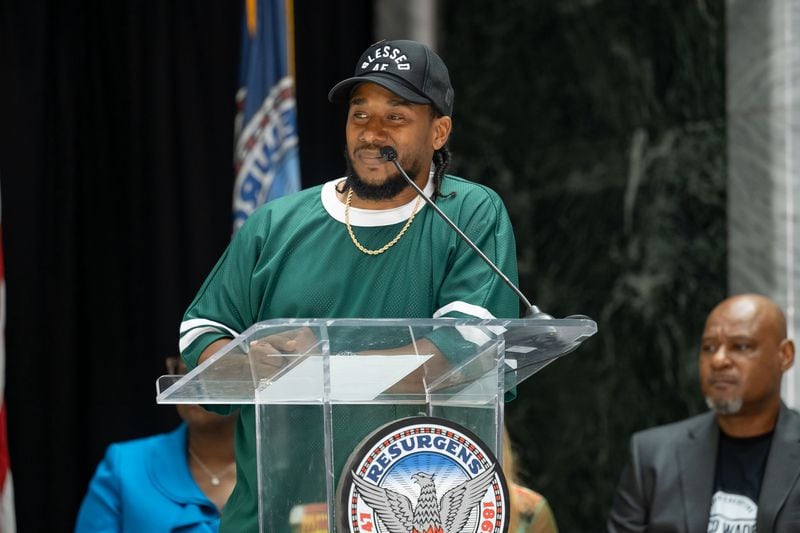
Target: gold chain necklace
<point>387,245</point>
<point>214,478</point>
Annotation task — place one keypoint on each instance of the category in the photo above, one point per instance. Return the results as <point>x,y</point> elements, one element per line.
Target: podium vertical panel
<point>292,461</point>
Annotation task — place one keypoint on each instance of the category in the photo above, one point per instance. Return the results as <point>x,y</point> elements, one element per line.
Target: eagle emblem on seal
<point>429,515</point>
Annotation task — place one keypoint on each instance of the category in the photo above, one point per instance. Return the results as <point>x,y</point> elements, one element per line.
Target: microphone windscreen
<point>388,153</point>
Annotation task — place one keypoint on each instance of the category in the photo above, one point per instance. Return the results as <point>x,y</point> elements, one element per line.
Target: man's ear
<point>441,131</point>
<point>787,354</point>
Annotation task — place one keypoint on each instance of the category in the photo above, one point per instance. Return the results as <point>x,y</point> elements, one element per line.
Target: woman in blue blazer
<point>177,481</point>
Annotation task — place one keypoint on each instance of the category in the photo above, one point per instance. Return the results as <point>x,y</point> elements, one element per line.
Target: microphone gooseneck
<point>390,154</point>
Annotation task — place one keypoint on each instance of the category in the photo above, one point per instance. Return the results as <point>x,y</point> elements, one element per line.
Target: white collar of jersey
<point>370,217</point>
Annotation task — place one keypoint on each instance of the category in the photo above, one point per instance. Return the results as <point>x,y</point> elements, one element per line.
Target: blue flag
<point>266,156</point>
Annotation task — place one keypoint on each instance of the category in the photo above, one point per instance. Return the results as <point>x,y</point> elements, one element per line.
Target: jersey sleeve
<point>225,305</point>
<point>471,289</point>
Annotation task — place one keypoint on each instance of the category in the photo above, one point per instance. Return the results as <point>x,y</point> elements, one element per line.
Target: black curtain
<point>116,123</point>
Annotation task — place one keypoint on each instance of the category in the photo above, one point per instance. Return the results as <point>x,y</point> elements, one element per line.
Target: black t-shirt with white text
<point>737,483</point>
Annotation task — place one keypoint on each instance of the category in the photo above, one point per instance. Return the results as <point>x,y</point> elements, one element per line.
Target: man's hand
<point>273,354</point>
<point>294,341</point>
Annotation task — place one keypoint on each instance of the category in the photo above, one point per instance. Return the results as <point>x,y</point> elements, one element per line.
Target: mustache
<point>722,378</point>
<point>368,147</point>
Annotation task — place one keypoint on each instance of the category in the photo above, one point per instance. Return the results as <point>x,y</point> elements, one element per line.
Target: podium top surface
<point>313,361</point>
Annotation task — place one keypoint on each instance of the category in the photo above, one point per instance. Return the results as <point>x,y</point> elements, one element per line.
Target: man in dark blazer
<point>736,468</point>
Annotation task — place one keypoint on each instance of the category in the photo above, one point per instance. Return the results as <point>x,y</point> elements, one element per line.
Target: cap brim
<point>342,90</point>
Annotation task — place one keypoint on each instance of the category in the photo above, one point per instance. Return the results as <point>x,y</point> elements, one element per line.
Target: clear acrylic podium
<point>319,386</point>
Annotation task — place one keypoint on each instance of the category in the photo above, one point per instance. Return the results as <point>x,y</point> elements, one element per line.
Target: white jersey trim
<point>463,307</point>
<point>370,217</point>
<point>194,328</point>
<point>470,333</point>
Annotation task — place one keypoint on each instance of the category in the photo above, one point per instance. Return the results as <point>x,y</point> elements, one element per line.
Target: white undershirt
<point>370,217</point>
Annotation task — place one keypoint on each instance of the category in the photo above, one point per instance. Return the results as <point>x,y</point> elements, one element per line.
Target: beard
<point>724,406</point>
<point>393,185</point>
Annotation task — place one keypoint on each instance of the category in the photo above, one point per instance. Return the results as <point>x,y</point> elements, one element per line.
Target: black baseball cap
<point>409,69</point>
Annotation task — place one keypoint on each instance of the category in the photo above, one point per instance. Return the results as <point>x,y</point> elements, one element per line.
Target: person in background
<point>177,481</point>
<point>530,512</point>
<point>737,467</point>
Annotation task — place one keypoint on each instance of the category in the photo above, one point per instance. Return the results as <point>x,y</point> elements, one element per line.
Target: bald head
<point>744,353</point>
<point>758,310</point>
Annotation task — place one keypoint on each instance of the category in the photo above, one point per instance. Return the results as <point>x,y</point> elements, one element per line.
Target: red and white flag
<point>7,516</point>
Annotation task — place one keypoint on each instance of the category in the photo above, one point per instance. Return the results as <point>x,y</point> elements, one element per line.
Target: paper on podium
<point>357,378</point>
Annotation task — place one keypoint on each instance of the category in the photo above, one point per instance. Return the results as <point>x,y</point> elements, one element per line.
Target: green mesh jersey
<point>293,258</point>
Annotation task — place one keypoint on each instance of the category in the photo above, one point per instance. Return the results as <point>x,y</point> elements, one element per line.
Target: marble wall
<point>602,124</point>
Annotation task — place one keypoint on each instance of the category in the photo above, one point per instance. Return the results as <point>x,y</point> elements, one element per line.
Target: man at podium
<point>364,245</point>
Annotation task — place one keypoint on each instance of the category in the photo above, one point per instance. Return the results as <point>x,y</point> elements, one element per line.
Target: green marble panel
<point>602,125</point>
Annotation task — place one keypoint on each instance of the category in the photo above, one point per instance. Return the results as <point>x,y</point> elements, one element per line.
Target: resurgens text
<point>417,443</point>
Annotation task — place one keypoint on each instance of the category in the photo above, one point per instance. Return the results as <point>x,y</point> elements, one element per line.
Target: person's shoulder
<point>666,433</point>
<point>142,445</point>
<point>532,508</point>
<point>465,193</point>
<point>789,412</point>
<point>297,204</point>
<point>290,202</point>
<point>527,501</point>
<point>464,187</point>
<point>789,418</point>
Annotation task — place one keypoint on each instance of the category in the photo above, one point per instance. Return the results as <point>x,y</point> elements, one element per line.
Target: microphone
<point>390,154</point>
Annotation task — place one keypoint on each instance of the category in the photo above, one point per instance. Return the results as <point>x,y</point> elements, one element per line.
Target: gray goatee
<point>729,406</point>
